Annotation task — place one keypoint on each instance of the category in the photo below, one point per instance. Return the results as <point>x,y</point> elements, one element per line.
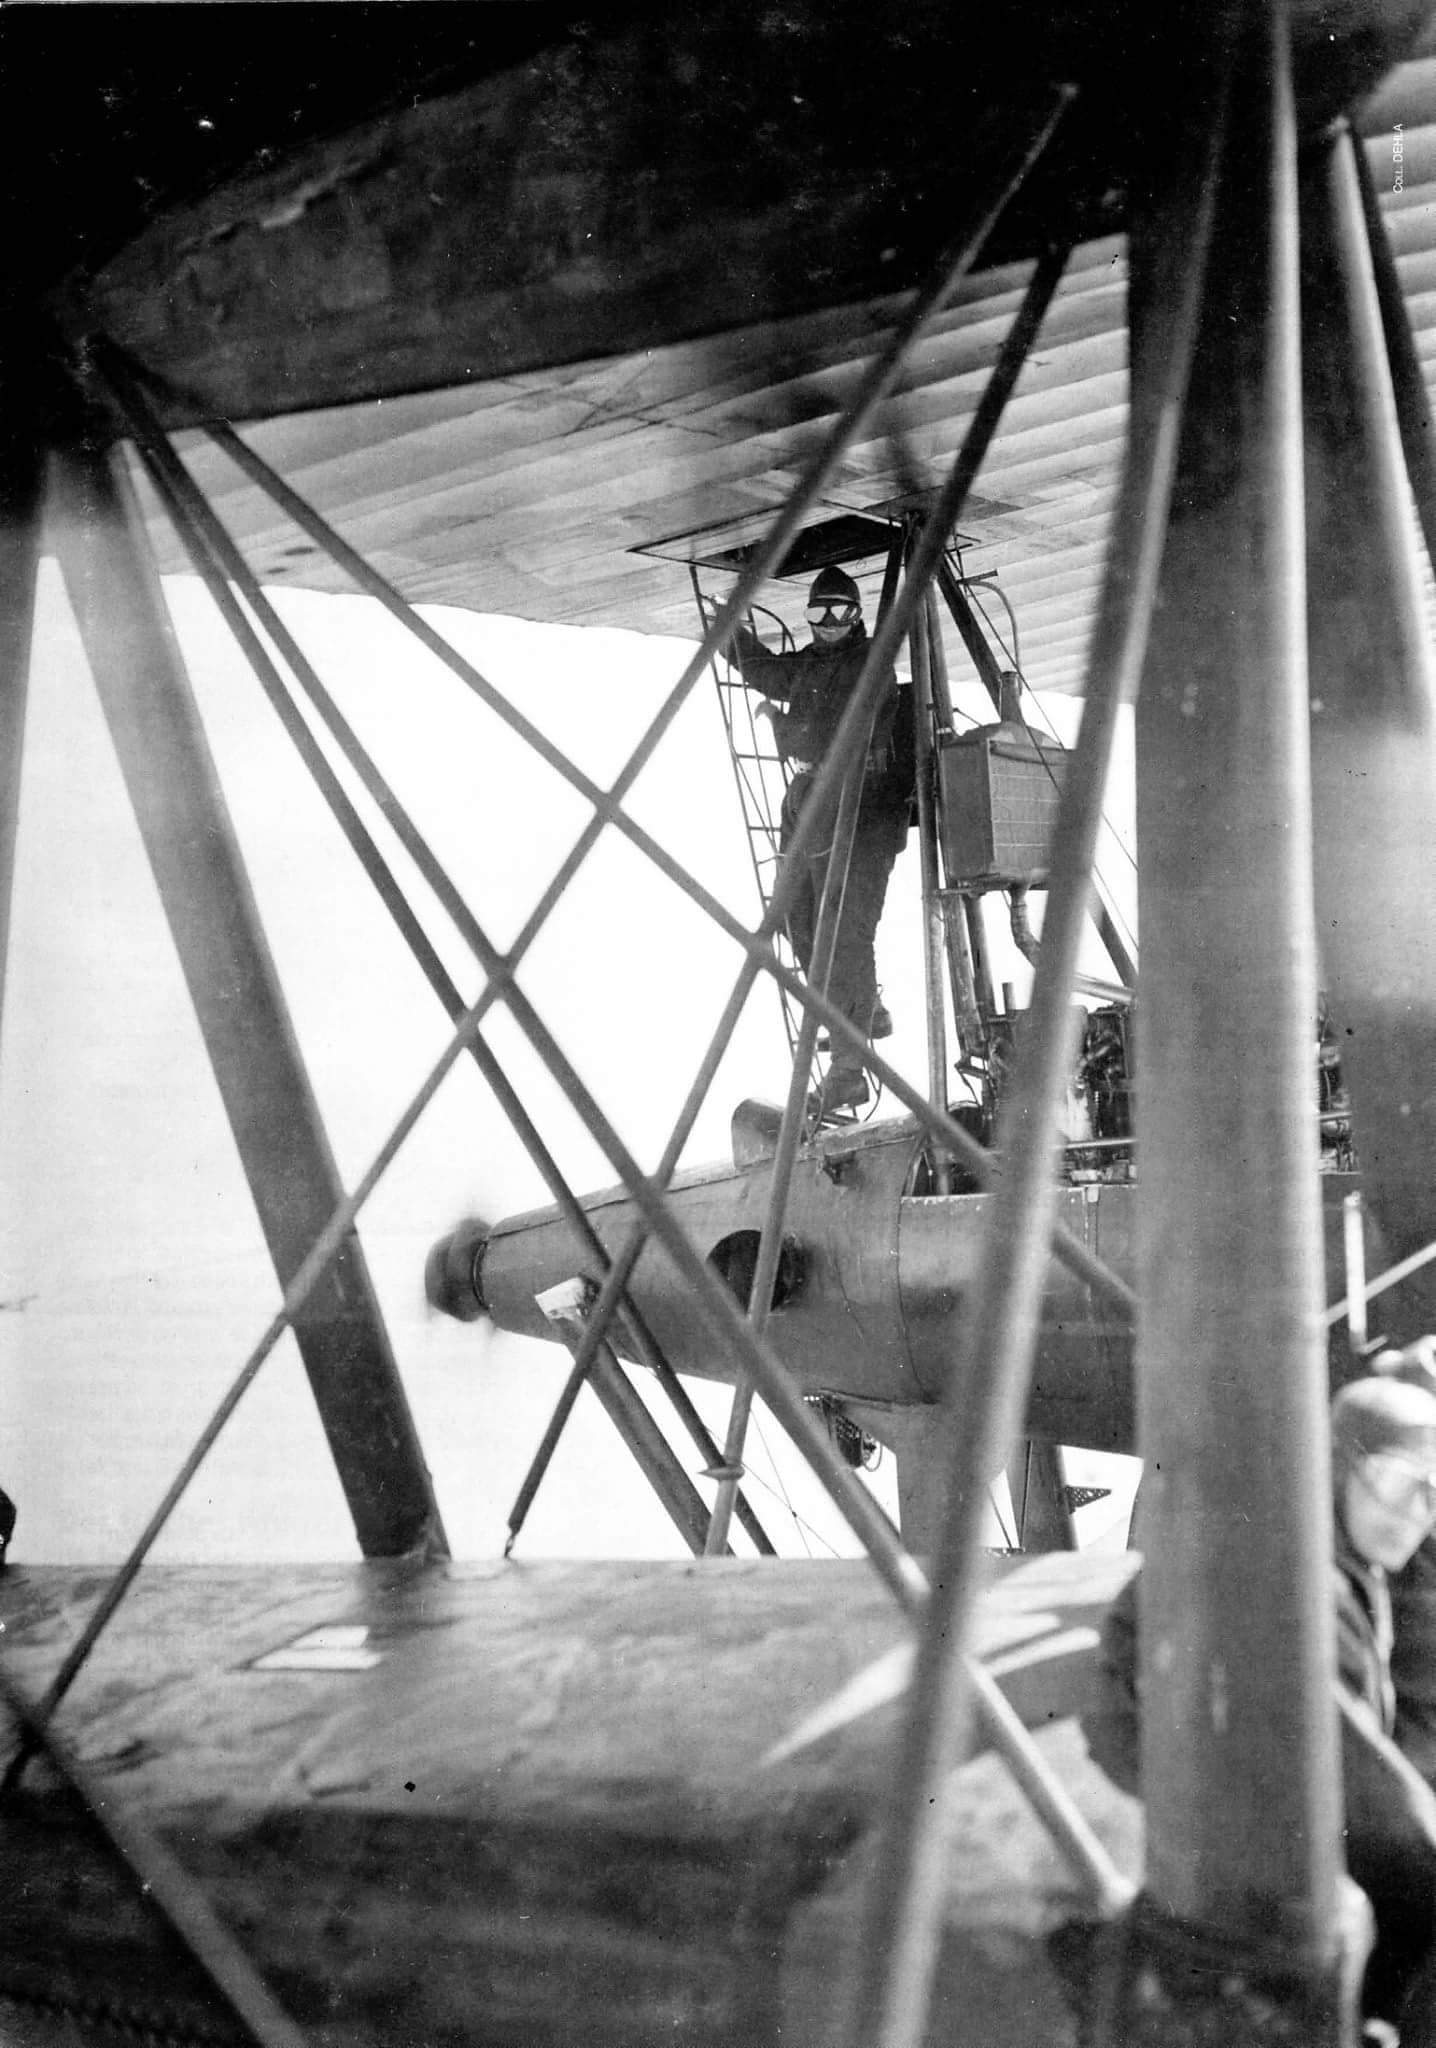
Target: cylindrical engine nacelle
<point>869,1295</point>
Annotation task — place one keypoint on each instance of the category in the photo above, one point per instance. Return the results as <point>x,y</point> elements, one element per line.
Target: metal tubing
<point>1392,1277</point>
<point>981,959</point>
<point>20,480</point>
<point>218,562</point>
<point>1240,1768</point>
<point>1016,346</point>
<point>986,1396</point>
<point>941,687</point>
<point>173,786</point>
<point>1117,951</point>
<point>651,1450</point>
<point>962,980</point>
<point>934,952</point>
<point>548,1444</point>
<point>1373,724</point>
<point>973,639</point>
<point>1413,401</point>
<point>1353,1237</point>
<point>790,1131</point>
<point>1037,1481</point>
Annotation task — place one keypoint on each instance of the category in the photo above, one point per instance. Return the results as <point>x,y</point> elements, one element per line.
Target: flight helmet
<point>835,607</point>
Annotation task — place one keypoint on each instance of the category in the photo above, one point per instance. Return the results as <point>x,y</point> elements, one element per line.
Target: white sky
<point>133,1281</point>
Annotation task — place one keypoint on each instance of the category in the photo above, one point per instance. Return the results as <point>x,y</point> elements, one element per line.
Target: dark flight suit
<point>813,685</point>
<point>1390,1811</point>
<point>1413,1658</point>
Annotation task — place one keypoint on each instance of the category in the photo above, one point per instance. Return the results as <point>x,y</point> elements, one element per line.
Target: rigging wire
<point>802,1526</point>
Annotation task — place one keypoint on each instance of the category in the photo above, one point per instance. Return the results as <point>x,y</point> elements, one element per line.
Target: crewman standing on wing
<point>809,689</point>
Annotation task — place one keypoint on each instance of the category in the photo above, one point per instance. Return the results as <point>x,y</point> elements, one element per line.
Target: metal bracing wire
<point>901,1925</point>
<point>165,1883</point>
<point>216,558</point>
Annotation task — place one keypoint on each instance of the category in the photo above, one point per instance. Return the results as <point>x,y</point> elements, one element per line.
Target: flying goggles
<point>1397,1482</point>
<point>843,613</point>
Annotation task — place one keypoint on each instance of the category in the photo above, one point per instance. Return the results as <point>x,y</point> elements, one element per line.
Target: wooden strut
<point>568,1308</point>
<point>174,789</point>
<point>219,563</point>
<point>1373,713</point>
<point>934,931</point>
<point>986,1394</point>
<point>1240,1768</point>
<point>951,912</point>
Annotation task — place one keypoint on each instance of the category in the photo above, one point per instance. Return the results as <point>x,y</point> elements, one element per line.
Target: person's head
<point>1383,1467</point>
<point>1415,1363</point>
<point>834,607</point>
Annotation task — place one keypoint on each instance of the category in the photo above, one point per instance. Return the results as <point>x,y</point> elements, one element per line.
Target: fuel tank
<point>872,1286</point>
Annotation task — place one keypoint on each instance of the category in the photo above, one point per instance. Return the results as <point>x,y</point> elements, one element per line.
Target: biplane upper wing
<point>592,373</point>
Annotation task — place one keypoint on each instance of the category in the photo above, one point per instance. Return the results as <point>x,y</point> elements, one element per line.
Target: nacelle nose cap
<point>453,1271</point>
